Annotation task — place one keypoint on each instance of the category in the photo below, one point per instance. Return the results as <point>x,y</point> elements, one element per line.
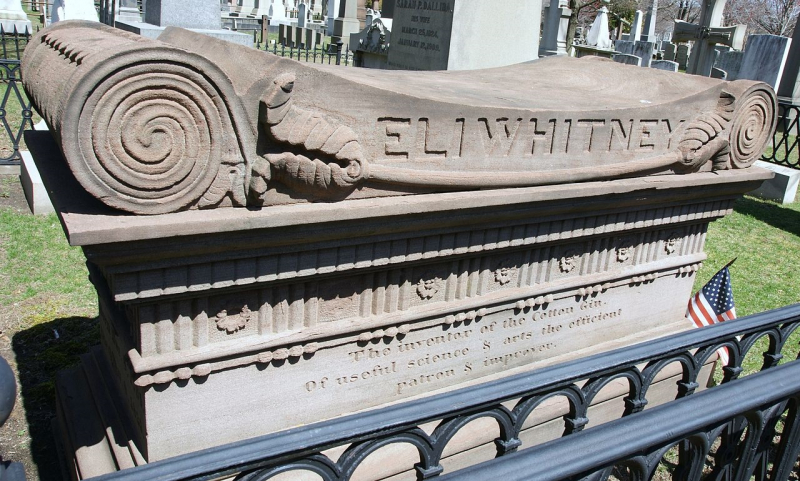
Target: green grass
<point>44,277</point>
<point>765,240</point>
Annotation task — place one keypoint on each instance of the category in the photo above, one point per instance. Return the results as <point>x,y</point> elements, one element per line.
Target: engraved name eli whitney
<point>423,138</point>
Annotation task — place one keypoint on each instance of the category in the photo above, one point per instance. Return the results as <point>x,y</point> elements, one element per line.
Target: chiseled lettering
<point>498,136</point>
<point>429,144</point>
<point>396,141</point>
<point>584,134</point>
<point>620,139</point>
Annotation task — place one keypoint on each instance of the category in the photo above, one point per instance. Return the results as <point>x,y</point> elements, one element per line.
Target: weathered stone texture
<point>407,232</point>
<point>161,138</point>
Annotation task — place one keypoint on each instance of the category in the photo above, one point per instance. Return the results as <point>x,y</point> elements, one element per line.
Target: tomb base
<point>309,312</point>
<point>95,428</point>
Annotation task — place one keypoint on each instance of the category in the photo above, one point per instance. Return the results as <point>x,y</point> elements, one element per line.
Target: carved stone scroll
<point>158,126</point>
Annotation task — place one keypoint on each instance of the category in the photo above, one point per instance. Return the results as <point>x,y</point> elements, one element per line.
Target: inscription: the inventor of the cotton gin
<point>432,356</point>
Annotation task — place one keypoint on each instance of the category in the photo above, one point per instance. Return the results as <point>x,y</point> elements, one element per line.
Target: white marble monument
<point>12,16</point>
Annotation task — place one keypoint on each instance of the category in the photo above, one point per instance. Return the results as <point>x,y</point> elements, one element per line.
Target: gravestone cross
<point>706,35</point>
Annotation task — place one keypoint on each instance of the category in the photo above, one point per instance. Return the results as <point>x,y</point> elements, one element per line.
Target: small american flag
<point>714,303</point>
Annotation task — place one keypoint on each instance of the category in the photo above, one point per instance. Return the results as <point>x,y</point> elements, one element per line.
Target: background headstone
<point>627,59</point>
<point>555,29</point>
<point>302,15</point>
<point>277,13</point>
<point>176,13</point>
<point>636,26</point>
<point>730,62</point>
<point>718,73</point>
<point>387,8</point>
<point>649,33</point>
<point>128,10</point>
<point>12,16</point>
<point>203,16</point>
<point>644,50</point>
<point>346,21</point>
<point>682,55</point>
<point>73,10</point>
<point>333,12</point>
<point>764,58</point>
<point>706,35</point>
<point>790,81</point>
<point>463,34</point>
<point>667,65</point>
<point>669,51</point>
<point>624,46</point>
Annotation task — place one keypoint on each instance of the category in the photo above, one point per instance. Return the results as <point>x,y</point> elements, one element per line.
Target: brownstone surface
<point>282,244</point>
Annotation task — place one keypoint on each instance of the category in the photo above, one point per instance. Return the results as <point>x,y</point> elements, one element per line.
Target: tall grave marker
<point>649,33</point>
<point>764,59</point>
<point>636,27</point>
<point>463,35</point>
<point>790,82</point>
<point>706,35</point>
<point>554,36</point>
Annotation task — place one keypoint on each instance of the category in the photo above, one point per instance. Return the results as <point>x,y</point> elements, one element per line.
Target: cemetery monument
<point>13,17</point>
<point>706,35</point>
<point>288,243</point>
<point>463,35</point>
<point>764,59</point>
<point>201,15</point>
<point>554,36</point>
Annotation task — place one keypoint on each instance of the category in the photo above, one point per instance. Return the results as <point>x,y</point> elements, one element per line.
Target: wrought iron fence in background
<point>784,150</point>
<point>16,114</point>
<point>331,55</point>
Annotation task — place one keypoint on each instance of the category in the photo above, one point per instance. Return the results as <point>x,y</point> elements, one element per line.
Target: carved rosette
<point>752,127</point>
<point>154,137</point>
<point>624,249</point>
<point>427,287</point>
<point>672,242</point>
<point>231,323</point>
<point>568,262</point>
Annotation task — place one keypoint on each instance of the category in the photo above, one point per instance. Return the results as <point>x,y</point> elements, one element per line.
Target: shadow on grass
<point>775,215</point>
<point>41,351</point>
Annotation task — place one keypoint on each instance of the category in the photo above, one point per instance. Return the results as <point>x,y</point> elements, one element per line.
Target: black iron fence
<point>15,109</point>
<point>783,150</point>
<point>332,54</point>
<point>735,426</point>
<point>753,430</point>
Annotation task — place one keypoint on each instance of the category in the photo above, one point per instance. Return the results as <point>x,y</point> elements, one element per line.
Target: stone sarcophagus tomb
<point>276,243</point>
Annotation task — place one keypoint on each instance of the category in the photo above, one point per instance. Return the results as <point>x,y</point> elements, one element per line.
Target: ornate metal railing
<point>333,54</point>
<point>784,150</point>
<point>578,381</point>
<point>748,411</point>
<point>12,43</point>
<point>15,108</point>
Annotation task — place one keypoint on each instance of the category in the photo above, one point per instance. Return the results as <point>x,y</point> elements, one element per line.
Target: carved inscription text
<point>422,138</point>
<point>431,358</point>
